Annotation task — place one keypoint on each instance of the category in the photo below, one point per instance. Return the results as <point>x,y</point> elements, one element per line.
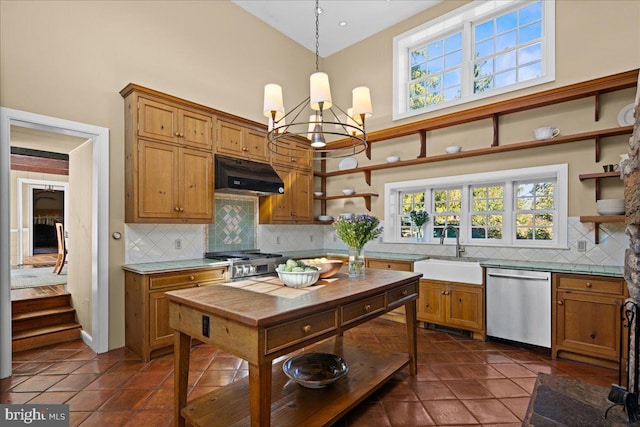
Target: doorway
<point>99,265</point>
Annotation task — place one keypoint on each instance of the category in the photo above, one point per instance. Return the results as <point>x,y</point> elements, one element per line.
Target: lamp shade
<point>319,92</point>
<point>273,99</point>
<point>362,101</point>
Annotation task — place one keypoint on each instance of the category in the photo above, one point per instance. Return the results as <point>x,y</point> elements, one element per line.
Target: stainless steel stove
<point>248,263</point>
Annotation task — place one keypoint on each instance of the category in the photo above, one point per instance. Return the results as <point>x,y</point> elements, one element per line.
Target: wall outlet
<point>311,237</point>
<point>582,245</point>
<point>178,244</point>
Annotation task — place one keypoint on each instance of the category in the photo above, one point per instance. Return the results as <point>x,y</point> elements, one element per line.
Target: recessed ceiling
<point>362,18</point>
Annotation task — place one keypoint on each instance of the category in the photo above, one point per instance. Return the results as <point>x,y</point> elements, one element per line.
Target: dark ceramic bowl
<point>315,370</point>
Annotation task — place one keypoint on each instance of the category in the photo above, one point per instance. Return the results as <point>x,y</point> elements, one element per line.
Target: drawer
<point>358,310</point>
<point>389,265</point>
<point>613,285</point>
<point>187,277</point>
<point>282,336</point>
<point>401,294</point>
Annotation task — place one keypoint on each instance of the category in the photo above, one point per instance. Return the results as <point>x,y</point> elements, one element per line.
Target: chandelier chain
<point>317,32</point>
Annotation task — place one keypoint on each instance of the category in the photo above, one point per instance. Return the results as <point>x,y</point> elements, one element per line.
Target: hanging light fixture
<point>326,119</point>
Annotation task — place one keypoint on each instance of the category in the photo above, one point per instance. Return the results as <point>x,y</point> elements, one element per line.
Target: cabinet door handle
<point>593,336</point>
<point>405,292</point>
<point>367,308</point>
<point>177,209</point>
<point>443,293</point>
<point>181,209</point>
<point>560,302</point>
<point>447,293</point>
<point>176,133</point>
<point>589,284</point>
<point>181,134</point>
<point>306,329</point>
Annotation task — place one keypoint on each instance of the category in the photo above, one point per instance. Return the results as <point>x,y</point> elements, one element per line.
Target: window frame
<point>461,19</point>
<point>509,178</point>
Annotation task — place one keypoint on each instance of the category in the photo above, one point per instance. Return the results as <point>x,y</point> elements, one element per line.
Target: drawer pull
<point>367,308</point>
<point>192,277</point>
<point>405,292</point>
<point>306,329</point>
<point>197,285</point>
<point>589,284</point>
<point>593,336</point>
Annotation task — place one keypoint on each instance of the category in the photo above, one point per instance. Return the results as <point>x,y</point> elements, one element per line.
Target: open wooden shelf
<point>599,219</point>
<point>293,405</point>
<point>367,198</point>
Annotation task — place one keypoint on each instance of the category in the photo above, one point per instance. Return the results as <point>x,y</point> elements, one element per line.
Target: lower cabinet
<point>147,330</point>
<point>586,320</point>
<point>397,315</point>
<point>455,305</point>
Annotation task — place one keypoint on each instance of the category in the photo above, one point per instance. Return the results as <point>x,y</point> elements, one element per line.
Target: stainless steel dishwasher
<point>519,305</point>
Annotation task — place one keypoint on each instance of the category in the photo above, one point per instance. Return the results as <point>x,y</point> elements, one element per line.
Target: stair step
<point>36,319</point>
<point>40,337</point>
<point>40,303</point>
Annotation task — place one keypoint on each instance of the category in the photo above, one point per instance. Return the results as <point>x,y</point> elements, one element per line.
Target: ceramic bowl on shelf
<point>393,159</point>
<point>318,193</point>
<point>315,370</point>
<point>610,206</point>
<point>325,218</point>
<point>347,191</point>
<point>298,279</point>
<point>453,149</point>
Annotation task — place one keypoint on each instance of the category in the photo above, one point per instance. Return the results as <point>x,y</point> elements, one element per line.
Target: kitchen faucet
<point>459,249</point>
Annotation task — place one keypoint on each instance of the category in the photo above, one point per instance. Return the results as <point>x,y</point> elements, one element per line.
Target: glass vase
<point>420,234</point>
<point>356,262</point>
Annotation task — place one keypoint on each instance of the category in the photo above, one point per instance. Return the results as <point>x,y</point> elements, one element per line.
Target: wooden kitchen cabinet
<point>290,153</point>
<point>147,330</point>
<point>241,142</point>
<point>172,184</point>
<point>295,205</point>
<point>166,121</point>
<point>388,264</point>
<point>456,305</point>
<point>586,319</point>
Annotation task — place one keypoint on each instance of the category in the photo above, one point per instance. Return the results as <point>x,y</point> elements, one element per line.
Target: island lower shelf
<point>293,405</point>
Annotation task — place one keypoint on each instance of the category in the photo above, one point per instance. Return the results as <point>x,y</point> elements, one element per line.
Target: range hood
<point>246,177</point>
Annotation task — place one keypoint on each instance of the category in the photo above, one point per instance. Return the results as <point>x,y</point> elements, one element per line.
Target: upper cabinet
<point>291,153</point>
<point>241,142</point>
<point>163,121</point>
<point>168,160</point>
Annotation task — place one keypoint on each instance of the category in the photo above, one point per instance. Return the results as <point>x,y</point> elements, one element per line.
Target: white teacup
<point>545,132</point>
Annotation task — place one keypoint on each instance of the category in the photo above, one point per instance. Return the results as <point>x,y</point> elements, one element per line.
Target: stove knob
<point>252,269</point>
<point>238,271</point>
<point>246,269</point>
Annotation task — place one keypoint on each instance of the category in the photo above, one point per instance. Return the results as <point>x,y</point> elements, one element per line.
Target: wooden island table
<point>260,320</point>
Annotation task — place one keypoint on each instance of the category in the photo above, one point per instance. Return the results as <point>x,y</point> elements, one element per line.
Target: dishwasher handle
<point>513,276</point>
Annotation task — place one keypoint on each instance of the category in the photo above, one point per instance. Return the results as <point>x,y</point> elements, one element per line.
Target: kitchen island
<point>260,320</point>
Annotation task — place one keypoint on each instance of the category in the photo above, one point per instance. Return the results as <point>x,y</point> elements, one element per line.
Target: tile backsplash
<point>234,230</point>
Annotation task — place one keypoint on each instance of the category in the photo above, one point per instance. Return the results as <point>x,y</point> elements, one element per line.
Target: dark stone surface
<point>558,401</point>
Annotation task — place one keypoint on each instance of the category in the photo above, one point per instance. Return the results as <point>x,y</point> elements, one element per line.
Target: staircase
<point>43,320</point>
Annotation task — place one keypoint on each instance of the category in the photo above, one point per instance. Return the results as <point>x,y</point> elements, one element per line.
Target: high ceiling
<point>363,18</point>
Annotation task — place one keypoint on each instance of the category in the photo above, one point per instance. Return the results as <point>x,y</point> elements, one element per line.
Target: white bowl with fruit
<point>296,274</point>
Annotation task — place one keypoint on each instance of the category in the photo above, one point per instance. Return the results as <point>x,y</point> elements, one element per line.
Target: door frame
<point>35,184</point>
<point>99,340</point>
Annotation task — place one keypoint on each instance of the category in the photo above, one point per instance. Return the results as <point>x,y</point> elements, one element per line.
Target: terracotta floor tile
<point>30,368</point>
<point>125,400</point>
<point>38,383</point>
<point>74,382</point>
<point>109,381</point>
<point>89,400</point>
<point>490,411</point>
<point>492,357</point>
<point>95,367</point>
<point>425,373</point>
<point>432,390</point>
<point>394,391</point>
<point>199,391</point>
<point>58,355</point>
<point>527,384</point>
<point>513,370</point>
<point>146,379</point>
<point>199,363</point>
<point>76,418</point>
<point>503,388</point>
<point>7,384</point>
<point>216,378</point>
<point>11,397</point>
<point>479,371</point>
<point>162,398</point>
<point>407,414</point>
<point>51,397</point>
<point>153,418</point>
<point>517,405</point>
<point>452,357</point>
<point>66,367</point>
<point>449,412</point>
<point>164,363</point>
<point>468,389</point>
<point>367,415</point>
<point>225,362</point>
<point>449,346</point>
<point>127,366</point>
<point>107,418</point>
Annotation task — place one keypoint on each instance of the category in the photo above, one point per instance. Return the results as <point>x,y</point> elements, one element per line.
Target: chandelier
<point>326,120</point>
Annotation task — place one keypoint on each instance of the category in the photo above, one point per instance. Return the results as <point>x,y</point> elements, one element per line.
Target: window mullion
<point>467,60</point>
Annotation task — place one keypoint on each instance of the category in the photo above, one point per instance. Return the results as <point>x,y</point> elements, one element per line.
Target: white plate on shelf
<point>348,163</point>
<point>625,116</point>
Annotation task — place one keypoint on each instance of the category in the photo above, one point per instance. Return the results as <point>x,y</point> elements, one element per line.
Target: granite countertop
<point>554,267</point>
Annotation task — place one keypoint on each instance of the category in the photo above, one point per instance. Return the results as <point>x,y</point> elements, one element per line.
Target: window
<point>519,207</point>
<point>480,50</point>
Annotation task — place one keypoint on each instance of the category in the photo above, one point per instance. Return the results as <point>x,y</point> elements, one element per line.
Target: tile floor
<point>460,381</point>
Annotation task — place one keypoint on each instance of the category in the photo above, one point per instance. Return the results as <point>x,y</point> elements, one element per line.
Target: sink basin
<point>460,270</point>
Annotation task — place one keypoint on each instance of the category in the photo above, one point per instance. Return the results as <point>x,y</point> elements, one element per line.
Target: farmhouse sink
<point>458,270</point>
